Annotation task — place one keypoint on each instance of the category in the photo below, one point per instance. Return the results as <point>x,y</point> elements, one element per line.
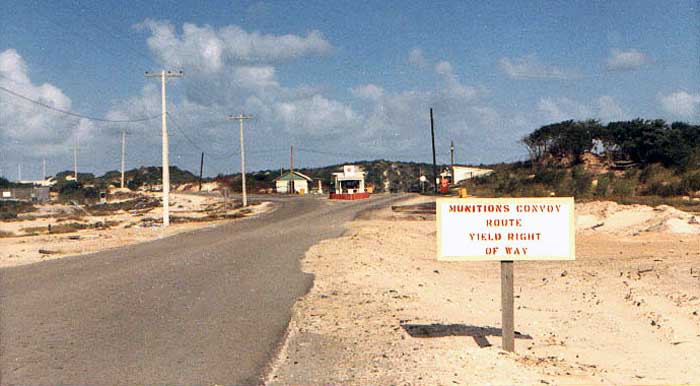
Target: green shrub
<point>604,185</point>
<point>72,190</point>
<point>580,182</point>
<point>8,215</point>
<point>624,186</point>
<point>690,183</point>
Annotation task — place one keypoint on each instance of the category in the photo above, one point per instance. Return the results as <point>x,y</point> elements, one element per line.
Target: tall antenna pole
<point>452,154</point>
<point>164,123</point>
<point>19,172</point>
<point>43,169</point>
<point>241,118</point>
<point>201,167</point>
<point>432,134</point>
<point>291,169</point>
<point>123,155</point>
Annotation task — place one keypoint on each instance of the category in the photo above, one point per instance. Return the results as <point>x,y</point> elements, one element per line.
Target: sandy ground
<point>384,311</point>
<point>24,237</point>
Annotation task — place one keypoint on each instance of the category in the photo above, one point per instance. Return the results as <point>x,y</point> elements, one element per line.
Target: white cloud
<point>625,60</point>
<point>397,123</point>
<point>557,109</point>
<point>317,116</point>
<point>368,91</point>
<point>451,87</point>
<point>22,122</point>
<point>416,58</point>
<point>680,104</point>
<point>529,67</point>
<point>256,77</point>
<point>205,48</point>
<point>234,71</point>
<point>610,110</point>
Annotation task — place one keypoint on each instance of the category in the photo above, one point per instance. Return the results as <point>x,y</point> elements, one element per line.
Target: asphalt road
<point>205,307</point>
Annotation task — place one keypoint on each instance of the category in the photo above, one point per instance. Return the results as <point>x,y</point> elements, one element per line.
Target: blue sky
<point>341,82</point>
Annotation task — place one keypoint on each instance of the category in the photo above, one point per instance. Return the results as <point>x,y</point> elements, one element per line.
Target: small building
<point>349,184</point>
<point>49,181</point>
<point>33,194</point>
<point>460,173</point>
<point>301,183</point>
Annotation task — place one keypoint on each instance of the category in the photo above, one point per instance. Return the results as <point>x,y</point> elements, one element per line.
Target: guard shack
<point>349,184</point>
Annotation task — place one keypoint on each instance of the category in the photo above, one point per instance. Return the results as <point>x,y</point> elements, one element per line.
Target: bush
<point>8,215</point>
<point>76,191</point>
<point>551,177</point>
<point>580,182</point>
<point>604,185</point>
<point>690,183</point>
<point>624,187</point>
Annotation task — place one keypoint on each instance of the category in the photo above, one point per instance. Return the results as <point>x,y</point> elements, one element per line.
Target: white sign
<point>6,194</point>
<point>505,229</point>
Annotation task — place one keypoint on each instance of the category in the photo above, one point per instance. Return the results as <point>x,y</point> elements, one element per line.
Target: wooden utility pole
<point>201,168</point>
<point>43,169</point>
<point>241,118</point>
<point>75,160</point>
<point>291,169</point>
<point>507,304</point>
<point>123,155</point>
<point>164,131</point>
<point>432,134</point>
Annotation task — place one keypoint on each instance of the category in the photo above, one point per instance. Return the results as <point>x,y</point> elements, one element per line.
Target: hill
<point>143,177</point>
<point>386,176</point>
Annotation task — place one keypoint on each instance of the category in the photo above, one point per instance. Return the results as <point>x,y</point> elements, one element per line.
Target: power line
<point>179,129</point>
<point>8,91</point>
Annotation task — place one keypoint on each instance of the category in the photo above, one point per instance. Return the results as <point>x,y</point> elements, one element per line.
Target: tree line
<point>641,141</point>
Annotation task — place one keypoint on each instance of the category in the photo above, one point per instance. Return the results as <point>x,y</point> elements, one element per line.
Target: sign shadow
<point>438,330</point>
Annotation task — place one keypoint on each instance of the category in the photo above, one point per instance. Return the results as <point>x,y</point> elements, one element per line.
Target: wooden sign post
<point>507,305</point>
<point>506,230</point>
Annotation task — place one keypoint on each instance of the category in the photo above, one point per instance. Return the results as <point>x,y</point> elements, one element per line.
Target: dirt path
<point>384,311</point>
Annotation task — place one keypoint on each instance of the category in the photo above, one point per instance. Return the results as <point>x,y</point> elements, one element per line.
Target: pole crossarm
<point>240,117</point>
<point>166,74</point>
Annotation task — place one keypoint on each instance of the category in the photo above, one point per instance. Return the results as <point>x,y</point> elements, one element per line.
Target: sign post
<point>507,305</point>
<point>506,230</point>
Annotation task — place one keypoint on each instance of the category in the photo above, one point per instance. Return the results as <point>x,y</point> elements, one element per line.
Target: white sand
<point>626,311</point>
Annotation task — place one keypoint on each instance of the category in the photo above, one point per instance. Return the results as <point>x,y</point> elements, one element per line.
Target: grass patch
<point>70,227</point>
<point>137,204</point>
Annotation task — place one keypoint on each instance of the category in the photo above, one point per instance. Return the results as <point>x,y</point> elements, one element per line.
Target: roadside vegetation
<point>639,161</point>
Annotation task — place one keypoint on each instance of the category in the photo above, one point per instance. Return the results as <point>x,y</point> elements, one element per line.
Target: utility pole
<point>75,160</point>
<point>19,172</point>
<point>240,119</point>
<point>164,126</point>
<point>432,134</point>
<point>452,155</point>
<point>291,169</point>
<point>201,167</point>
<point>123,155</point>
<point>43,169</point>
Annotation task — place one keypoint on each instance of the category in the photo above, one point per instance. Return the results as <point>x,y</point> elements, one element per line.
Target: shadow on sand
<point>437,330</point>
